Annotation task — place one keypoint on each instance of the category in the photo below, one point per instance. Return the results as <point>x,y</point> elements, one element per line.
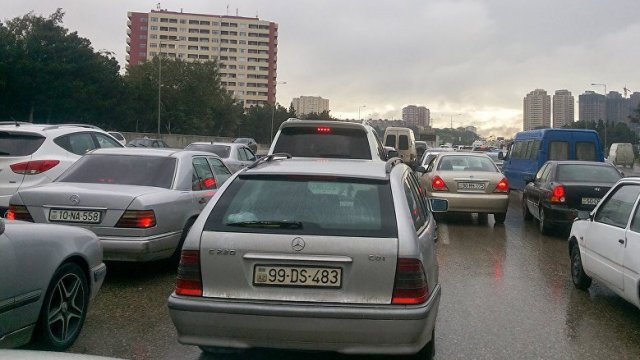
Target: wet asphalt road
<point>507,294</point>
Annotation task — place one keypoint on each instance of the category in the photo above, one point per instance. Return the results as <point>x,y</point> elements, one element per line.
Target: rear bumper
<point>560,215</point>
<point>147,248</point>
<point>365,329</point>
<point>470,202</point>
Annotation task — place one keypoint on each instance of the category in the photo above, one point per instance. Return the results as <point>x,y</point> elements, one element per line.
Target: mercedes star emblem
<point>75,199</point>
<point>298,244</point>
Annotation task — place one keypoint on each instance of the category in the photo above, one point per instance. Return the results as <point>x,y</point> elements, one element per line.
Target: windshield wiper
<point>268,224</point>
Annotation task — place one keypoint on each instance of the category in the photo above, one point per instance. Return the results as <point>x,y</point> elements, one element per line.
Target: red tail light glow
<point>502,186</point>
<point>411,283</point>
<point>189,281</point>
<point>18,212</point>
<point>209,182</point>
<point>33,167</point>
<point>558,194</point>
<point>323,130</point>
<point>142,219</point>
<point>437,184</point>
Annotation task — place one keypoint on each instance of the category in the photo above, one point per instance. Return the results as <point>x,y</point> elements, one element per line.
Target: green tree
<point>192,99</point>
<point>315,116</point>
<point>48,74</point>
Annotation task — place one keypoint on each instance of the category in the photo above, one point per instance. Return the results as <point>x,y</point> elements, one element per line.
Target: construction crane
<point>626,90</point>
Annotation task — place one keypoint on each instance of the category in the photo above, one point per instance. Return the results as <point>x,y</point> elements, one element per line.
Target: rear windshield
<point>16,144</point>
<point>325,142</point>
<point>221,150</point>
<point>467,163</point>
<point>305,206</point>
<point>122,170</point>
<point>587,173</point>
<point>585,151</point>
<point>403,142</point>
<point>390,140</point>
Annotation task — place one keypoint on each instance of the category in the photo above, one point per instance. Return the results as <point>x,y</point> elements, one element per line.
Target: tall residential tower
<point>246,48</point>
<point>563,109</point>
<point>537,110</point>
<point>416,115</point>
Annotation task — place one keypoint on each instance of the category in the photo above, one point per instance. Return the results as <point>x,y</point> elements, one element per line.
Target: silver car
<point>140,202</point>
<point>235,155</point>
<point>48,275</point>
<point>332,255</point>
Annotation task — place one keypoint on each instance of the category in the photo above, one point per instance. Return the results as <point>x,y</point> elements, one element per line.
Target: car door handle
<point>202,201</point>
<point>621,241</point>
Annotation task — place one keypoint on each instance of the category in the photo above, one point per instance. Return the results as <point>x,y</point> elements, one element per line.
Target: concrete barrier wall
<point>180,141</point>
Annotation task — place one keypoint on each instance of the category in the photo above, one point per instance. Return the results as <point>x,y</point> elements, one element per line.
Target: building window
<point>192,56</point>
<point>180,56</point>
<point>164,28</point>
<point>204,48</point>
<point>204,40</point>
<point>153,45</point>
<point>182,46</point>
<point>154,28</point>
<point>183,38</point>
<point>153,36</point>
<point>164,20</point>
<point>143,19</point>
<point>243,33</point>
<point>193,39</point>
<point>142,54</point>
<point>154,19</point>
<point>183,21</point>
<point>173,21</point>
<point>194,22</point>
<point>172,29</point>
<point>193,47</point>
<point>142,46</point>
<point>143,28</point>
<point>153,53</point>
<point>142,37</point>
<point>205,23</point>
<point>205,57</point>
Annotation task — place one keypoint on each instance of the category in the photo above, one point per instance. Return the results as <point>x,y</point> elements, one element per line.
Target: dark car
<point>421,147</point>
<point>148,143</point>
<point>562,188</point>
<point>251,143</point>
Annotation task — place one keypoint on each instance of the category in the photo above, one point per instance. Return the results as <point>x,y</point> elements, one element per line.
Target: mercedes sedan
<point>48,275</point>
<point>140,202</point>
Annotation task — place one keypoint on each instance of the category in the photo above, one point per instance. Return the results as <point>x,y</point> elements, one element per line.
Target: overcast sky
<point>470,60</point>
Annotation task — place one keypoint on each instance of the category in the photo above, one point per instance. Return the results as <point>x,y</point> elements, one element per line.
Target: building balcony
<point>127,57</point>
<point>128,49</point>
<point>128,31</point>
<point>128,40</point>
<point>129,22</point>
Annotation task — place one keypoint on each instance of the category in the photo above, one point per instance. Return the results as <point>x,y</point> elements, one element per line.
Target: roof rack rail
<point>16,123</point>
<point>391,163</point>
<point>269,158</point>
<point>57,126</point>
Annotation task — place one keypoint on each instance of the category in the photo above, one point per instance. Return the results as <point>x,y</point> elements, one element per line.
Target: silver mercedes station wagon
<point>312,254</point>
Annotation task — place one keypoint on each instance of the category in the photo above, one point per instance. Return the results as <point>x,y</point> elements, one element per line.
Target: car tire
<point>580,279</point>
<point>175,257</point>
<point>499,218</point>
<point>220,351</point>
<point>483,218</point>
<point>543,224</point>
<point>64,308</point>
<point>428,351</point>
<point>526,214</point>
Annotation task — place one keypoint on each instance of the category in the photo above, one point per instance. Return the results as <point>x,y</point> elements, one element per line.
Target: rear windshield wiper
<point>268,224</point>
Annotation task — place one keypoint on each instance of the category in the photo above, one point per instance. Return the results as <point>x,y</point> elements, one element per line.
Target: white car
<point>118,136</point>
<point>34,154</point>
<point>605,244</point>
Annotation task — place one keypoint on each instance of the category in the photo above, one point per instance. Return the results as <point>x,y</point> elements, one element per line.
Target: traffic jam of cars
<point>332,232</point>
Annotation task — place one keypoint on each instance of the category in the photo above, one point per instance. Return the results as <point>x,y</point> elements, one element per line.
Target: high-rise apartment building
<point>617,108</point>
<point>304,105</point>
<point>563,109</point>
<point>592,106</point>
<point>416,115</point>
<point>537,110</point>
<point>245,48</point>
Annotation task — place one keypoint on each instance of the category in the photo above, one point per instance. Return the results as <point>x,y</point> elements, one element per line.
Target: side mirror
<point>420,169</point>
<point>584,215</point>
<point>439,205</point>
<point>500,155</point>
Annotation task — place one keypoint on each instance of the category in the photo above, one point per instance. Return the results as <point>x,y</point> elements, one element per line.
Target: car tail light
<point>189,281</point>
<point>558,194</point>
<point>323,130</point>
<point>33,167</point>
<point>142,219</point>
<point>411,283</point>
<point>503,186</point>
<point>18,212</point>
<point>437,184</point>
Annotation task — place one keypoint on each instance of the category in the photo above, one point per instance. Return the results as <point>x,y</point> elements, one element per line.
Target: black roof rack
<point>269,158</point>
<point>391,163</point>
<point>16,123</point>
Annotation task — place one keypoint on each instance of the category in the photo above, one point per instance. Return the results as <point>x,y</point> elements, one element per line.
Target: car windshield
<point>122,170</point>
<point>466,163</point>
<point>318,206</point>
<point>324,141</point>
<point>19,144</point>
<point>221,150</point>
<point>587,173</point>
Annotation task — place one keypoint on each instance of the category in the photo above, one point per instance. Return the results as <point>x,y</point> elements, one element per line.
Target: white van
<point>621,154</point>
<point>403,140</point>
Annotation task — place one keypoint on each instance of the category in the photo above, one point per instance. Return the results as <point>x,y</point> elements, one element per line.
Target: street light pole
<point>273,112</point>
<point>605,112</point>
<point>360,107</point>
<point>159,82</point>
